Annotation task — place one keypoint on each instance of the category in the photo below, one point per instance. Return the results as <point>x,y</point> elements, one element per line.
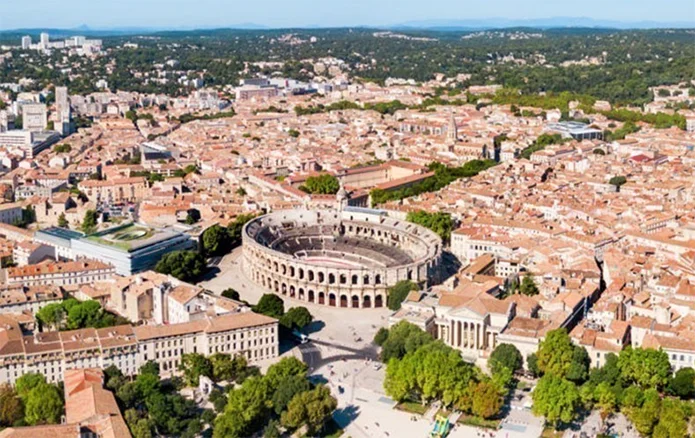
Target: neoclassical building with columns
<point>346,257</point>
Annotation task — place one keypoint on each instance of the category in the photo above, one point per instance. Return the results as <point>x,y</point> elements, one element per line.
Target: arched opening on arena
<point>277,286</point>
<point>322,298</point>
<point>275,266</point>
<point>301,293</point>
<point>355,279</point>
<point>343,279</point>
<point>410,274</point>
<point>310,296</point>
<point>284,289</point>
<point>292,291</point>
<point>377,279</point>
<point>331,299</point>
<point>365,280</point>
<point>283,268</point>
<point>292,271</point>
<point>331,278</point>
<point>378,301</point>
<point>367,301</point>
<point>322,277</point>
<point>301,274</point>
<point>355,301</point>
<point>343,301</point>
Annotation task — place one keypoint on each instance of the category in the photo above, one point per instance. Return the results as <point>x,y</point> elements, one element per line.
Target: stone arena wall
<point>353,287</point>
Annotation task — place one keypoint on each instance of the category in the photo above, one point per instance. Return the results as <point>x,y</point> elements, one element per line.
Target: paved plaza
<point>341,355</point>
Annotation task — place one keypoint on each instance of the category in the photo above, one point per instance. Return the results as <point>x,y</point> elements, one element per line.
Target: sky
<point>190,14</point>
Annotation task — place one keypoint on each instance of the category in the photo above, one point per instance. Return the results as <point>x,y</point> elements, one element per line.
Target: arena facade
<point>346,257</point>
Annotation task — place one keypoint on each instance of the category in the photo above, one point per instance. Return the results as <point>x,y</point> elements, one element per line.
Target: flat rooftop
<point>130,237</point>
<point>62,233</point>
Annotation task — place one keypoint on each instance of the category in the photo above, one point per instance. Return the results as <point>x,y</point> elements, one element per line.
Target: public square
<point>340,354</point>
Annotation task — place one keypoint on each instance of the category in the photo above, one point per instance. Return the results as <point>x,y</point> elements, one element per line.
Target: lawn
<point>549,432</point>
<point>474,421</point>
<point>412,407</point>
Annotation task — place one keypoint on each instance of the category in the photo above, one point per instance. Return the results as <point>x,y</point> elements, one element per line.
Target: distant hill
<point>442,25</point>
<point>539,23</point>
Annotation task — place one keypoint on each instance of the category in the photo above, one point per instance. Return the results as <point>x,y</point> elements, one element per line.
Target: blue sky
<point>297,13</point>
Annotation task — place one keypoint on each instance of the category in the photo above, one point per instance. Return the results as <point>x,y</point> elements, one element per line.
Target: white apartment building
<point>59,274</point>
<point>249,334</point>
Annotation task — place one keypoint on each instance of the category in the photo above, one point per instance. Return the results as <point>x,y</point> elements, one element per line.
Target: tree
<point>224,367</point>
<point>231,294</point>
<point>44,405</point>
<point>113,378</point>
<point>439,222</point>
<point>324,184</point>
<point>528,286</point>
<point>246,409</point>
<point>271,429</point>
<point>293,133</point>
<point>403,338</point>
<point>617,181</point>
<point>62,221</point>
<point>11,408</point>
<point>399,292</point>
<point>26,383</point>
<point>89,223</point>
<point>487,401</point>
<point>673,420</point>
<point>647,368</point>
<point>557,355</point>
<point>184,265</point>
<point>505,356</point>
<point>556,399</point>
<point>51,315</point>
<point>287,388</point>
<point>310,408</point>
<point>606,398</point>
<point>193,366</point>
<point>216,241</point>
<point>62,148</point>
<point>234,229</point>
<point>683,383</point>
<point>645,417</point>
<point>532,365</point>
<point>287,367</point>
<point>85,314</point>
<point>381,336</point>
<point>150,367</point>
<point>296,318</point>
<point>270,305</point>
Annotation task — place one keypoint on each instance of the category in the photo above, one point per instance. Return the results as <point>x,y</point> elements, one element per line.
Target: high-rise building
<point>34,117</point>
<point>63,123</point>
<point>44,40</point>
<point>26,42</point>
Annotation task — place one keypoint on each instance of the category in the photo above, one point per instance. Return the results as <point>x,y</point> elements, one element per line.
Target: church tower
<point>452,132</point>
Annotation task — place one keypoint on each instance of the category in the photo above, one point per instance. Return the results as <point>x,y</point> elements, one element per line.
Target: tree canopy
<point>399,292</point>
<point>270,305</point>
<point>184,265</point>
<point>324,184</point>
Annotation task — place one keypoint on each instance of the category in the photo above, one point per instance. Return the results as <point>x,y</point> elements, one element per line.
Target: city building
<point>34,117</point>
<point>90,410</point>
<point>60,274</point>
<point>130,248</point>
<point>26,42</point>
<point>252,335</point>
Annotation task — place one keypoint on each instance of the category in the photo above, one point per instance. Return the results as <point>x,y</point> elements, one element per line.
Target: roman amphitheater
<point>343,258</point>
